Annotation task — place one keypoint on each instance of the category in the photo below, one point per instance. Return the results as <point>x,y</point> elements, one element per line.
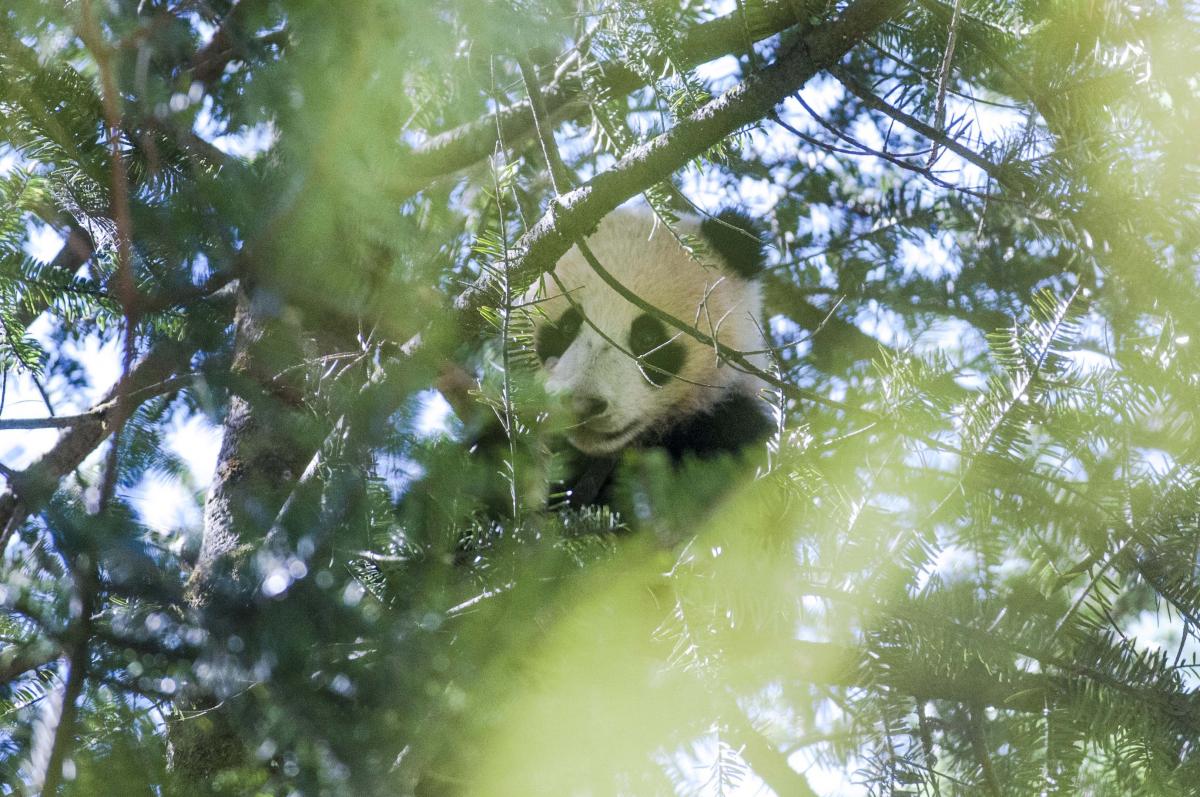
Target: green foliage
<point>966,564</point>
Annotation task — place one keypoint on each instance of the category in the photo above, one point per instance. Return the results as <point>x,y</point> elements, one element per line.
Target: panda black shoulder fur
<point>674,393</point>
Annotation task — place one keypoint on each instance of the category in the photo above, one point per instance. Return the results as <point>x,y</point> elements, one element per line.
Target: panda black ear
<point>738,239</point>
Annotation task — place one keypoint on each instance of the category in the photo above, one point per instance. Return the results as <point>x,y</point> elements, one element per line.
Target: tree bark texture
<point>268,440</point>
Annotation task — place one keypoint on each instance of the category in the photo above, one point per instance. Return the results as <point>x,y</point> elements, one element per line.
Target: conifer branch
<point>79,647</point>
<point>1006,177</point>
<point>576,213</point>
<point>29,489</point>
<point>456,149</point>
<point>209,62</point>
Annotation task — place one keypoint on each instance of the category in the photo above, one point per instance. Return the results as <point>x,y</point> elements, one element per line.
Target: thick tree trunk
<point>268,440</point>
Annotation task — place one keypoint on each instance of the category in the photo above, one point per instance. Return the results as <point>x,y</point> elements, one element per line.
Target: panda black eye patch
<point>555,337</point>
<point>663,357</point>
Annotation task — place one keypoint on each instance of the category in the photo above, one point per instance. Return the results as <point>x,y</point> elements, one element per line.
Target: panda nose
<point>588,407</point>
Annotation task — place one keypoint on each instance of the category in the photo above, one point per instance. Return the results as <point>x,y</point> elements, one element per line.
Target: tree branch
<point>575,214</point>
<point>210,60</point>
<point>452,150</point>
<point>30,489</point>
<point>1013,181</point>
<point>268,439</point>
<point>16,661</point>
<point>560,178</point>
<point>768,762</point>
<point>53,422</point>
<point>97,412</point>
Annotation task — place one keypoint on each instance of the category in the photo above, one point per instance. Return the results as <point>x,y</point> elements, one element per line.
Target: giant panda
<point>624,379</point>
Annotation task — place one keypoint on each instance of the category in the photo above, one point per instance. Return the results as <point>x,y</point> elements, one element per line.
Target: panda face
<point>612,392</point>
<point>620,373</point>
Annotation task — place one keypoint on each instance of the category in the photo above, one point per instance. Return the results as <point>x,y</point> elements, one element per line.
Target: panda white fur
<point>679,394</point>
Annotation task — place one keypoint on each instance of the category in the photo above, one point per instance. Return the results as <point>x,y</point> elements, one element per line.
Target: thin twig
<point>126,290</point>
<point>1006,177</point>
<point>560,178</point>
<point>939,116</point>
<point>927,745</point>
<point>509,418</point>
<point>979,747</point>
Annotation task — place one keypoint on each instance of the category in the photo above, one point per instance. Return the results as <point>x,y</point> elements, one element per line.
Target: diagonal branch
<point>1006,177</point>
<point>575,214</point>
<point>17,661</point>
<point>764,758</point>
<point>452,150</point>
<point>30,489</point>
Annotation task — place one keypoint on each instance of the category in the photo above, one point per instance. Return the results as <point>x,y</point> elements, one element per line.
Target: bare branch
<point>944,78</point>
<point>118,207</point>
<point>53,422</point>
<point>768,762</point>
<point>559,176</point>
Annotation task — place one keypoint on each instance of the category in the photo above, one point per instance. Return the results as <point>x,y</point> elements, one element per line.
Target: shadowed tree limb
<point>16,661</point>
<point>210,61</point>
<point>1006,177</point>
<point>266,443</point>
<point>833,339</point>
